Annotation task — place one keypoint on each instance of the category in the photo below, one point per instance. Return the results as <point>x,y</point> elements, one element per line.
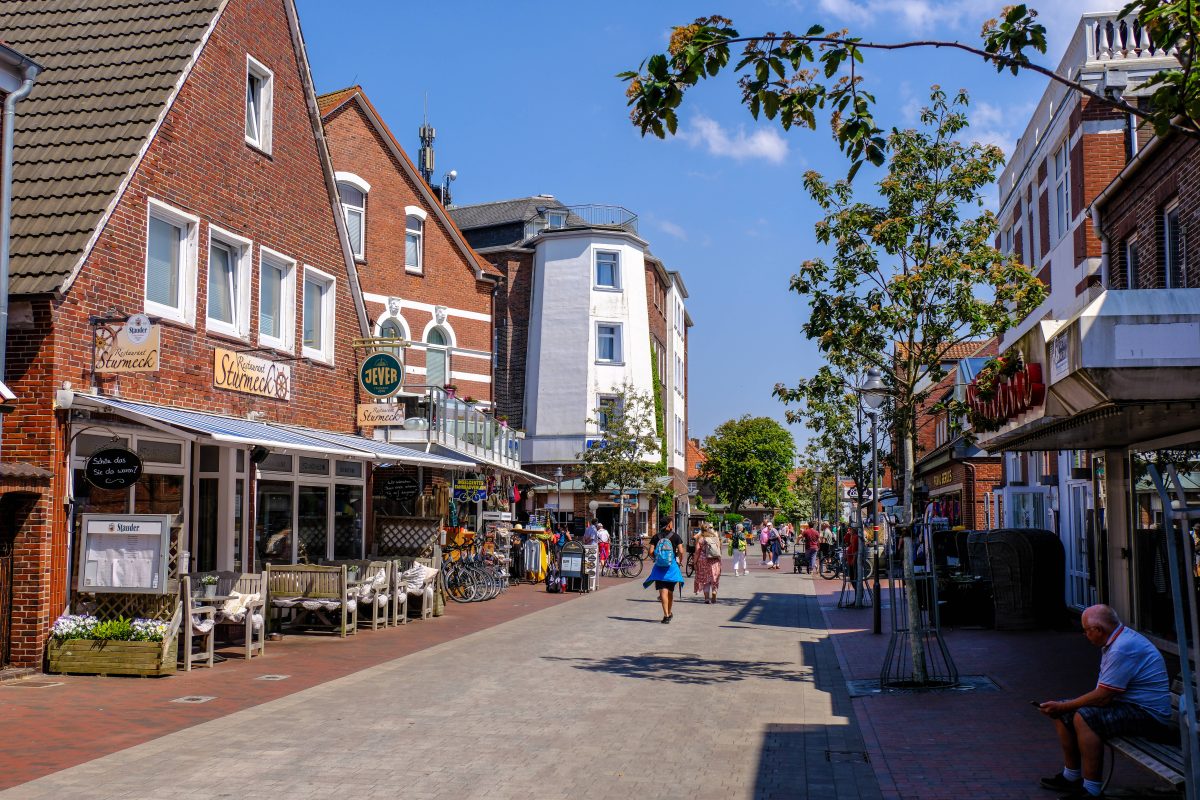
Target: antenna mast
<point>425,155</point>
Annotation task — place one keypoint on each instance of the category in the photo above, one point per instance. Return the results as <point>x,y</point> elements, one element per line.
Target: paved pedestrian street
<point>588,699</point>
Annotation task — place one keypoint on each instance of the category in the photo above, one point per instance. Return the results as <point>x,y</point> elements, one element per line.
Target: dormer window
<point>556,219</point>
<point>353,193</point>
<point>260,96</point>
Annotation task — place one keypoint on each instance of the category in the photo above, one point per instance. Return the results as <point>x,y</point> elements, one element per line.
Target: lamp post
<point>872,394</point>
<point>558,476</point>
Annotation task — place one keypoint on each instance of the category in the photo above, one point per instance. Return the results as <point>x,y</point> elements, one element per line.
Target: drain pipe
<point>28,70</point>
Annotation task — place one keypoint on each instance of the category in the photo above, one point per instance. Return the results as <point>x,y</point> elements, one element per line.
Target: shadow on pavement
<point>812,761</point>
<point>686,668</point>
<point>763,608</point>
<point>635,619</point>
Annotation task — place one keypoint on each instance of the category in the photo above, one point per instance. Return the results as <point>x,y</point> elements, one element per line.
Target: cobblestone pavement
<point>588,699</point>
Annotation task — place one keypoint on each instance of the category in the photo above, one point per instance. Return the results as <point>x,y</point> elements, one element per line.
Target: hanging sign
<point>113,468</point>
<point>470,489</point>
<point>380,374</point>
<point>401,487</point>
<point>129,347</point>
<point>380,414</point>
<point>239,372</point>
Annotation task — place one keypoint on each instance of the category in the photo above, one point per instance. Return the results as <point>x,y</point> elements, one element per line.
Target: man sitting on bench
<point>1131,698</point>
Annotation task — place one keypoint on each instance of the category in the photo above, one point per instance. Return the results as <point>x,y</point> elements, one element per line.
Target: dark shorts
<point>668,585</point>
<point>1120,719</point>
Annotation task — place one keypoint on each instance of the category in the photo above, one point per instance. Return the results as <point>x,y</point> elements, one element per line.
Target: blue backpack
<point>664,553</point>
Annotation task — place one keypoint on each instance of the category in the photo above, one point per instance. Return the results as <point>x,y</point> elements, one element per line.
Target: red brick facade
<point>360,145</point>
<point>198,163</point>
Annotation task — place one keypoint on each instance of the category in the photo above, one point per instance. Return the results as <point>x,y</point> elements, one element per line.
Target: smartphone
<point>1035,703</point>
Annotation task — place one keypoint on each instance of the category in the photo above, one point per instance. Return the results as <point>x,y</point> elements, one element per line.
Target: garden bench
<point>308,594</point>
<point>1163,758</point>
<point>426,597</point>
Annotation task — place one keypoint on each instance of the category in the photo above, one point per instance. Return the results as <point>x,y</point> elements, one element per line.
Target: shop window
<point>158,494</point>
<point>273,535</point>
<point>349,469</point>
<point>276,462</point>
<point>206,516</point>
<point>347,521</point>
<point>239,522</point>
<point>153,451</point>
<point>260,101</point>
<point>313,466</point>
<point>210,458</point>
<point>91,500</point>
<point>312,524</point>
<point>88,443</point>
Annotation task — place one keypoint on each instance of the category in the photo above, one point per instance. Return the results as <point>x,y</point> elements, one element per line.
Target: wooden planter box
<point>95,657</point>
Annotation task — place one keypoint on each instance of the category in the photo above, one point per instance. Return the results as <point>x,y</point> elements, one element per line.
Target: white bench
<point>1163,758</point>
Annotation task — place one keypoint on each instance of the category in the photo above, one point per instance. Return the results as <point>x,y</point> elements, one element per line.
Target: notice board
<point>124,553</point>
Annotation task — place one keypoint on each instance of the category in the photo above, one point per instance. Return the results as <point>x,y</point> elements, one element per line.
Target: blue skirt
<point>670,574</point>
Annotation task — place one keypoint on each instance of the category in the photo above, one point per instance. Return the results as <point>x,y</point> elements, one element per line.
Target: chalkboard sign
<point>401,487</point>
<point>113,468</point>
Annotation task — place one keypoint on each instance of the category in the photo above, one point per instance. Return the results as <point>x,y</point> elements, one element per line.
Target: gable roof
<point>333,101</point>
<point>502,212</point>
<point>956,351</point>
<point>112,68</point>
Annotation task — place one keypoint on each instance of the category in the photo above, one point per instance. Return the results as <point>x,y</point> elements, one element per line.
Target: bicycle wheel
<point>691,564</point>
<point>830,568</point>
<point>631,566</point>
<point>458,586</point>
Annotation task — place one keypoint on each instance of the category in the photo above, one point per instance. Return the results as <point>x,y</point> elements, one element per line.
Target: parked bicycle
<point>627,565</point>
<point>470,575</point>
<point>834,565</point>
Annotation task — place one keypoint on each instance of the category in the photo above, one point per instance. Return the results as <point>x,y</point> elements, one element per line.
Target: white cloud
<point>998,125</point>
<point>764,143</point>
<point>671,229</point>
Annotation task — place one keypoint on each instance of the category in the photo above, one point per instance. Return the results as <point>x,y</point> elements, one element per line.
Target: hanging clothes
<point>534,556</point>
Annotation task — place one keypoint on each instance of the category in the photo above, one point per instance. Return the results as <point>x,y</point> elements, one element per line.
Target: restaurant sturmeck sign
<point>132,346</point>
<point>239,372</point>
<point>375,414</point>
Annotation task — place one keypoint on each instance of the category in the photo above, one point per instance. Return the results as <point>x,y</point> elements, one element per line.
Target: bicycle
<point>835,565</point>
<point>690,568</point>
<point>627,566</point>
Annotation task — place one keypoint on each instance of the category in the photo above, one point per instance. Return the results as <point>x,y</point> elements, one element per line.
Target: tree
<point>626,457</point>
<point>792,76</point>
<point>748,459</point>
<point>909,279</point>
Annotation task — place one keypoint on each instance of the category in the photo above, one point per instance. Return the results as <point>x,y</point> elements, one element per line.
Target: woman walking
<point>708,563</point>
<point>737,549</point>
<point>667,549</point>
<point>775,544</point>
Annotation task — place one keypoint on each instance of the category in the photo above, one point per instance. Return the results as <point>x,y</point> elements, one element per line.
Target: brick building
<point>171,163</point>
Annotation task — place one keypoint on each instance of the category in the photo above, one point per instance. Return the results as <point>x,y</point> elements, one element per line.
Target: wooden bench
<point>375,601</point>
<point>250,620</point>
<point>426,598</point>
<point>1163,758</point>
<point>308,594</point>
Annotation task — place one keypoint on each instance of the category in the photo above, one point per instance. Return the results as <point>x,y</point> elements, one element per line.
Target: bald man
<point>1131,698</point>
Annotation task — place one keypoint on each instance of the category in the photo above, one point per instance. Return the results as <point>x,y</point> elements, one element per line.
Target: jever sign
<point>380,375</point>
<point>1007,397</point>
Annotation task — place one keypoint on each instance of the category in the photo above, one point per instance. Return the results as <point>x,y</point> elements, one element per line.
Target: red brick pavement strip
<point>969,744</point>
<point>44,730</point>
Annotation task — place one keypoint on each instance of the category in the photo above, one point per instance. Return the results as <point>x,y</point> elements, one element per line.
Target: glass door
<point>1081,589</point>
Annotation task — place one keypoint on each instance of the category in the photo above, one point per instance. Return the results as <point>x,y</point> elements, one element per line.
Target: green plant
<point>209,580</point>
<point>115,630</point>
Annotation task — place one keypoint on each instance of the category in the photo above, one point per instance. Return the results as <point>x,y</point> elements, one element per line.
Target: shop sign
<point>1059,357</point>
<point>470,490</point>
<point>129,347</point>
<point>943,478</point>
<point>113,468</point>
<point>851,493</point>
<point>401,487</point>
<point>1002,396</point>
<point>239,372</point>
<point>375,414</point>
<point>380,375</point>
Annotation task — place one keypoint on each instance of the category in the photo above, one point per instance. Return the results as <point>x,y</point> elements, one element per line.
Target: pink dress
<point>708,570</point>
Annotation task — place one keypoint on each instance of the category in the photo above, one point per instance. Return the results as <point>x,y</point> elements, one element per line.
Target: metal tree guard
<point>1181,569</point>
<point>897,669</point>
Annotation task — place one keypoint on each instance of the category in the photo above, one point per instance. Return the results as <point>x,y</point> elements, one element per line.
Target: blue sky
<point>524,101</point>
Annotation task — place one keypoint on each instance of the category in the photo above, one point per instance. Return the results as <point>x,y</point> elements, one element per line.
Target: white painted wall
<point>563,379</point>
<point>675,401</point>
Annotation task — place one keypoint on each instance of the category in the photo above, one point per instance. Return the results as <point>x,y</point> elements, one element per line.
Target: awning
<point>380,450</point>
<point>520,473</point>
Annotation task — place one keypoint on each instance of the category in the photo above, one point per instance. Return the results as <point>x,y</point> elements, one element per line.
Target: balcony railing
<point>1109,37</point>
<point>461,427</point>
<point>606,216</point>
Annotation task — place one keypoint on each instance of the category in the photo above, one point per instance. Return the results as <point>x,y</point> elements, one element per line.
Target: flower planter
<point>97,657</point>
<point>210,590</point>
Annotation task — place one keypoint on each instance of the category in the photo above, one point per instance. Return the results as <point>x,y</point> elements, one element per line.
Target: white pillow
<point>237,603</point>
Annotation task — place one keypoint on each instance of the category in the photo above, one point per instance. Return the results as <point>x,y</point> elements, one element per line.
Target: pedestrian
<point>1131,698</point>
<point>812,543</point>
<point>851,543</point>
<point>564,534</point>
<point>828,540</point>
<point>774,545</point>
<point>602,544</point>
<point>708,563</point>
<point>737,549</point>
<point>762,540</point>
<point>667,550</point>
<point>589,533</point>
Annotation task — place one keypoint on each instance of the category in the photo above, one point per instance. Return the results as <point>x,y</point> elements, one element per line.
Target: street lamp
<point>558,476</point>
<point>872,393</point>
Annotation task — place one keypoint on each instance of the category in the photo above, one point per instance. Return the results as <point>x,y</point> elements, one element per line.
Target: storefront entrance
<point>308,510</point>
<point>1079,541</point>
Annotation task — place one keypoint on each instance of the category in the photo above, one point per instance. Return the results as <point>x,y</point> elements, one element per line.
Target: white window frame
<point>615,286</point>
<point>1172,260</point>
<point>552,216</point>
<point>242,249</point>
<point>185,310</point>
<point>679,375</point>
<point>618,343</point>
<point>419,267</point>
<point>328,307</point>
<point>604,420</point>
<point>1131,268</point>
<point>355,182</point>
<point>287,301</point>
<point>1062,190</point>
<point>261,140</point>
